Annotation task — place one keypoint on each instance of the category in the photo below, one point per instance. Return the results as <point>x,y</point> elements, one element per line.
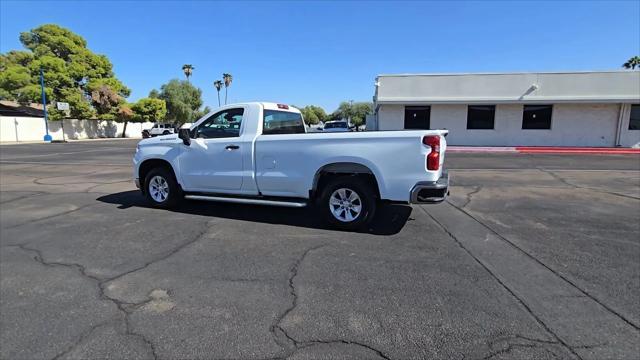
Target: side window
<point>222,124</point>
<point>282,122</point>
<point>634,118</point>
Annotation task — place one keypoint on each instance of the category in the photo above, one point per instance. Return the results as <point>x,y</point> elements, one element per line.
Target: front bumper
<point>431,192</point>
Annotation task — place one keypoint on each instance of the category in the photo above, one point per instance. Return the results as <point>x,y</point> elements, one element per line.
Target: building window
<point>634,119</point>
<point>417,117</point>
<point>537,117</point>
<point>481,116</point>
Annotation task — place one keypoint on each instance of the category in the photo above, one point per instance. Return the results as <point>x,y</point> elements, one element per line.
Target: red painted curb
<point>574,150</point>
<point>541,150</point>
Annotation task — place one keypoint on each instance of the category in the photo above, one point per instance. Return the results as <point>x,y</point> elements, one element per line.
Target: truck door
<point>213,162</point>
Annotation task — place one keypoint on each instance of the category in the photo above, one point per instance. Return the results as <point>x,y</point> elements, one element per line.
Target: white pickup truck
<point>260,153</point>
<point>158,129</point>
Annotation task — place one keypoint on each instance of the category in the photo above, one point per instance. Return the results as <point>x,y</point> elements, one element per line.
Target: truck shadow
<point>389,219</point>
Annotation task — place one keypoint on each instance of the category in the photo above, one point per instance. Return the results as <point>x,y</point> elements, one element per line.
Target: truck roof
<point>279,106</point>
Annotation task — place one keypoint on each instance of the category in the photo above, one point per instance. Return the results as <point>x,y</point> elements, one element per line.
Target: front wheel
<point>162,189</point>
<point>348,203</point>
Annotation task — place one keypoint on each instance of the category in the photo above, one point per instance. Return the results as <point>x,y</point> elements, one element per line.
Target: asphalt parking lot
<point>532,257</point>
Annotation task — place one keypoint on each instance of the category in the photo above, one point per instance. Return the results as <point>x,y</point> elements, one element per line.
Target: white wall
<point>14,129</point>
<point>571,125</point>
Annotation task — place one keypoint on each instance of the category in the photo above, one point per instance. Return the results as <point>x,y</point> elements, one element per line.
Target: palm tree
<point>228,79</point>
<point>218,85</point>
<point>632,63</point>
<point>188,70</point>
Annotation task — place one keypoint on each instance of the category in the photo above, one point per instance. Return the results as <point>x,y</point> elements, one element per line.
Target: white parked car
<point>260,153</point>
<point>336,126</point>
<point>158,129</point>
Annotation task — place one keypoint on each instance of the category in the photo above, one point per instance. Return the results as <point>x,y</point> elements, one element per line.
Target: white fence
<point>16,129</point>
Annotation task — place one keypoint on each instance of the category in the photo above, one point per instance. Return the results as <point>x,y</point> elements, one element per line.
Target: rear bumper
<point>431,192</point>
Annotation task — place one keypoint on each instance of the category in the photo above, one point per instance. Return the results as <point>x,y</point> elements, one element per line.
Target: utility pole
<point>47,137</point>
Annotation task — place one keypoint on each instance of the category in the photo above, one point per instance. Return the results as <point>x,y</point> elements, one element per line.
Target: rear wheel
<point>162,189</point>
<point>348,202</point>
<point>166,132</point>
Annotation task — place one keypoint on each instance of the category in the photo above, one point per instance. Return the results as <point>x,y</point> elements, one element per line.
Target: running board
<point>236,200</point>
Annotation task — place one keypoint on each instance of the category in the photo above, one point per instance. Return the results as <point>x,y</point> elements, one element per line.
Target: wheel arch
<point>344,168</point>
<point>152,163</point>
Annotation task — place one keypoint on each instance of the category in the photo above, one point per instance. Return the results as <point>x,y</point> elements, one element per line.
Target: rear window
<point>282,122</point>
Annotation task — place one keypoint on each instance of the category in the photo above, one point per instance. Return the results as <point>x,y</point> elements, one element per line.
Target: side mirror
<point>185,135</point>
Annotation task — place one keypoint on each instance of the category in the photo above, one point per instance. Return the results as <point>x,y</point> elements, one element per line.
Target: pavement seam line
<point>587,294</point>
<point>486,268</point>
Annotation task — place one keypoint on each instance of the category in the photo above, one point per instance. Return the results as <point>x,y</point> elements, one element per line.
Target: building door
<point>417,117</point>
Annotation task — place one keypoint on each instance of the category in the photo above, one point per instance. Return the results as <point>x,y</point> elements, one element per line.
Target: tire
<point>164,192</point>
<point>145,134</point>
<point>348,191</point>
<point>166,132</point>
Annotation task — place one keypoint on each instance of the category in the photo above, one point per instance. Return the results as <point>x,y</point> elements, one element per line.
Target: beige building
<point>514,109</point>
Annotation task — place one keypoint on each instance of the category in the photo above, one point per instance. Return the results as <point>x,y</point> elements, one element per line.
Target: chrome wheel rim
<point>158,188</point>
<point>345,205</point>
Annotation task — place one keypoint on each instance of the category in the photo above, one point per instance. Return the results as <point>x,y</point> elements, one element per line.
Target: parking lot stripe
<point>60,163</point>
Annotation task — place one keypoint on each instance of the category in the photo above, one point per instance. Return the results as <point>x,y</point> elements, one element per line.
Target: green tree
<point>228,79</point>
<point>355,112</point>
<point>632,63</point>
<point>72,73</point>
<point>183,101</point>
<point>360,111</point>
<point>218,86</point>
<point>188,70</point>
<point>149,110</point>
<point>313,114</point>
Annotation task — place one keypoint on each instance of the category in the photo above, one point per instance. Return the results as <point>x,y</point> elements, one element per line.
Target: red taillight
<point>283,106</point>
<point>433,159</point>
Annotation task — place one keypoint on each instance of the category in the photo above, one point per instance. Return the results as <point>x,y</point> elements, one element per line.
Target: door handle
<point>232,147</point>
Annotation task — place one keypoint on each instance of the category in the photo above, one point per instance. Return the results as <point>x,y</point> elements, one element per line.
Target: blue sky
<point>326,52</point>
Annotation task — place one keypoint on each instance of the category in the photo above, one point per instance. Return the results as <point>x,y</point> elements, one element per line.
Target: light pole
<point>47,137</point>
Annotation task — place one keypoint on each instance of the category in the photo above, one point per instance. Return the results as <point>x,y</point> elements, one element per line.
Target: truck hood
<point>161,139</point>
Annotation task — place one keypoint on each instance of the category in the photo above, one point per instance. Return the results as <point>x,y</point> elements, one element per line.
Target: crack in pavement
<point>125,308</point>
<point>50,216</point>
<point>88,190</point>
<point>530,343</point>
<point>518,299</point>
<point>101,295</point>
<point>288,342</point>
<point>37,193</point>
<point>570,184</point>
<point>470,195</point>
<point>514,245</point>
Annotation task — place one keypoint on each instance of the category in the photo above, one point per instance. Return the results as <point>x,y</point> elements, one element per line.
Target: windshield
<point>334,125</point>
